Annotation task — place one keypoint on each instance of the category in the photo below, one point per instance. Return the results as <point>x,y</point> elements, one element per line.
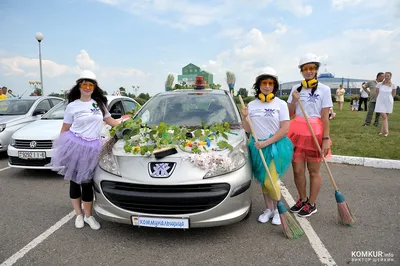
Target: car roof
<point>211,91</point>
<point>31,98</point>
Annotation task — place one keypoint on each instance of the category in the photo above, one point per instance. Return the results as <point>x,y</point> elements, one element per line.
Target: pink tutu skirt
<point>302,139</point>
<point>75,158</point>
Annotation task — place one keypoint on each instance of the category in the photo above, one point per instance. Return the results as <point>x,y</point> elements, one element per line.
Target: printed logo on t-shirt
<point>95,108</point>
<point>270,112</point>
<point>263,112</point>
<point>312,98</point>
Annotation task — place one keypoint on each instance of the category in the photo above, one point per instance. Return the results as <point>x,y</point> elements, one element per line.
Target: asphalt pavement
<point>31,202</point>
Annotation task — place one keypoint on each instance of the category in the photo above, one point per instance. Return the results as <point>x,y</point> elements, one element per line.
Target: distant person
<point>363,98</point>
<point>10,94</point>
<point>371,86</point>
<point>340,96</point>
<point>3,95</point>
<point>354,103</point>
<point>385,93</point>
<point>332,114</point>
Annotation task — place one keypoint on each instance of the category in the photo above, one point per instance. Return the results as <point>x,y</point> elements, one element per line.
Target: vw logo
<point>32,144</point>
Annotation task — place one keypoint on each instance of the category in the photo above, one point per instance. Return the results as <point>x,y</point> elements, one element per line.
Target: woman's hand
<point>261,144</point>
<point>326,146</point>
<point>295,96</point>
<point>245,111</point>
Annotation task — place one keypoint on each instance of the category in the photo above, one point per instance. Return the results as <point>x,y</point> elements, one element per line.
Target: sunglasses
<point>87,85</point>
<point>308,68</point>
<point>266,83</point>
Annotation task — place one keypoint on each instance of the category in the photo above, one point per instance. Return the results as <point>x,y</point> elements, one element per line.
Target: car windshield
<point>15,107</point>
<point>188,109</point>
<point>57,112</point>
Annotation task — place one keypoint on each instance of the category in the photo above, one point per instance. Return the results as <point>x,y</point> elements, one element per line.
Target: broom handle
<point>317,144</point>
<point>260,151</point>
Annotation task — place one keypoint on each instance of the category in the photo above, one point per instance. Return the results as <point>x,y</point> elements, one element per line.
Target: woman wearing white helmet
<point>270,118</point>
<point>317,100</point>
<point>79,144</point>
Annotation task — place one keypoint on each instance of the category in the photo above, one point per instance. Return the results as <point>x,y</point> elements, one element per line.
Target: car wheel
<point>249,213</point>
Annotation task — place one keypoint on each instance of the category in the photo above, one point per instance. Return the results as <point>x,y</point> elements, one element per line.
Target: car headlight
<point>12,142</point>
<point>238,157</point>
<point>2,127</point>
<point>109,163</point>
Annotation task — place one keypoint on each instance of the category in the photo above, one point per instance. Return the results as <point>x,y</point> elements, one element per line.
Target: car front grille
<point>177,199</point>
<point>33,144</point>
<point>31,162</point>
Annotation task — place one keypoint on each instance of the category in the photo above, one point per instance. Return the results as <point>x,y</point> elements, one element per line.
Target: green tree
<point>122,91</point>
<point>243,92</point>
<point>215,86</point>
<point>144,96</point>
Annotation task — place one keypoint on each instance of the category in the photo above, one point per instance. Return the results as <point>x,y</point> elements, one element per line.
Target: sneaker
<point>91,221</point>
<point>79,221</point>
<point>298,206</point>
<point>265,216</point>
<point>276,220</point>
<point>307,210</point>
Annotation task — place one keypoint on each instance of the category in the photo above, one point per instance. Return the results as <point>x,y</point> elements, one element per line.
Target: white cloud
<point>83,61</point>
<point>298,7</point>
<point>340,4</point>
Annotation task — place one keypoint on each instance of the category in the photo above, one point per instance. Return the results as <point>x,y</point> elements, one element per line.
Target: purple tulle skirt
<point>75,158</point>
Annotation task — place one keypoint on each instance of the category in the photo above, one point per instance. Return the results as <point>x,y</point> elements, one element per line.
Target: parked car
<point>31,146</point>
<point>172,192</point>
<point>18,112</point>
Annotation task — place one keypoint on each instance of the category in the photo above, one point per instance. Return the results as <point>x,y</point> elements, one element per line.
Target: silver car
<point>18,112</point>
<point>173,192</point>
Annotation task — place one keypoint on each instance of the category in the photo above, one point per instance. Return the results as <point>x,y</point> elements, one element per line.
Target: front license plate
<point>27,155</point>
<point>157,222</point>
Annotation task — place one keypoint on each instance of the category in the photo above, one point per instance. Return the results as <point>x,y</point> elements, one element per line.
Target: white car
<point>31,146</point>
<point>18,112</point>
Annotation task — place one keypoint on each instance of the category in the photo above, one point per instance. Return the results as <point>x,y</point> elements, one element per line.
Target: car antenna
<point>22,94</point>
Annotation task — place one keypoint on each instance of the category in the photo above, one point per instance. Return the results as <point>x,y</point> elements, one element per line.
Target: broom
<point>344,215</point>
<point>291,228</point>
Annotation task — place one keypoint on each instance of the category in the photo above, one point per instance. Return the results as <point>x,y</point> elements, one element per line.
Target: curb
<point>364,161</point>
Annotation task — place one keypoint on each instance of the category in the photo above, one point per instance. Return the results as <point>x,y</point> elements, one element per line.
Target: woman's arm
<point>325,124</point>
<point>111,121</point>
<point>65,127</point>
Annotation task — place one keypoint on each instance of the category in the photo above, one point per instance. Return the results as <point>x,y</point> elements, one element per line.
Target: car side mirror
<point>39,112</point>
<point>116,115</point>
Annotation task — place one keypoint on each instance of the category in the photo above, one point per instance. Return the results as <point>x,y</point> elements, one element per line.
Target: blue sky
<point>128,42</point>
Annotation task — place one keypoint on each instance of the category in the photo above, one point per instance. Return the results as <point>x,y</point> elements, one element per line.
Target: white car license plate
<point>27,155</point>
<point>158,222</point>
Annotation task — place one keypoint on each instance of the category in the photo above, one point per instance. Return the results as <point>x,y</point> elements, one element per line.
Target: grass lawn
<point>351,139</point>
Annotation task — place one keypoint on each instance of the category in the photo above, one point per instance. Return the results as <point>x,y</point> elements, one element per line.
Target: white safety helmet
<point>87,74</point>
<point>270,72</point>
<point>309,58</point>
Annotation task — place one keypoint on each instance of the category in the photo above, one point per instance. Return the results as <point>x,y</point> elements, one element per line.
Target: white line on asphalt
<point>5,168</point>
<point>316,243</point>
<point>11,260</point>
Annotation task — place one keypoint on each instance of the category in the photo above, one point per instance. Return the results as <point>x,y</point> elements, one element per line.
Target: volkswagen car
<point>31,146</point>
<point>173,192</point>
<point>18,112</point>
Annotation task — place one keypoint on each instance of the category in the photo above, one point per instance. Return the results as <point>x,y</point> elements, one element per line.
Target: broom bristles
<point>291,228</point>
<point>344,214</point>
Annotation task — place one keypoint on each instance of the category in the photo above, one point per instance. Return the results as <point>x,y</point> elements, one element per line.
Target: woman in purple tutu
<point>79,144</point>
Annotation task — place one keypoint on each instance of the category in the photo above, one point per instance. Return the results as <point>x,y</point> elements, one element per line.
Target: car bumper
<point>230,210</point>
<point>16,162</point>
<point>5,137</point>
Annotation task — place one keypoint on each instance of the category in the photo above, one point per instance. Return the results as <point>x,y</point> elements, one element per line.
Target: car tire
<point>249,213</point>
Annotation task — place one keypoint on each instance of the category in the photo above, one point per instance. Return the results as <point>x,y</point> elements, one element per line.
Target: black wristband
<point>325,138</point>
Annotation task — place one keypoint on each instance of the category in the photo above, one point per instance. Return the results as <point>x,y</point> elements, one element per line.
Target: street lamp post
<point>39,38</point>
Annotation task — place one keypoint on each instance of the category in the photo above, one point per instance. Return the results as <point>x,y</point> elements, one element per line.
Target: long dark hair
<point>97,95</point>
<point>256,85</point>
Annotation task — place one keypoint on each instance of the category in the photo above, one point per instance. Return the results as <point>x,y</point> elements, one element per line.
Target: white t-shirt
<point>86,119</point>
<point>266,117</point>
<point>363,93</point>
<point>313,104</point>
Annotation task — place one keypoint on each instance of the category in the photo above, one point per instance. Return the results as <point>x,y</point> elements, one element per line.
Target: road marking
<point>316,243</point>
<point>11,260</point>
<point>5,168</point>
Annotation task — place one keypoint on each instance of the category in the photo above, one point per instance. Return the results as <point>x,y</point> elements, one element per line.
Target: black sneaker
<point>307,210</point>
<point>298,206</point>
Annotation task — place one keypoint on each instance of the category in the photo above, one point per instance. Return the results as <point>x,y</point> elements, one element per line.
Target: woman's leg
<point>383,126</point>
<point>75,195</point>
<point>387,125</point>
<point>300,179</point>
<point>87,198</point>
<point>315,180</point>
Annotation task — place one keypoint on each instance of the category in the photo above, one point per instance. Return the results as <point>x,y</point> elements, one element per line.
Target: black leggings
<point>75,191</point>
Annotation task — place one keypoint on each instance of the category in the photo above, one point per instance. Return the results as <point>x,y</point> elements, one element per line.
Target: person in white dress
<point>385,92</point>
